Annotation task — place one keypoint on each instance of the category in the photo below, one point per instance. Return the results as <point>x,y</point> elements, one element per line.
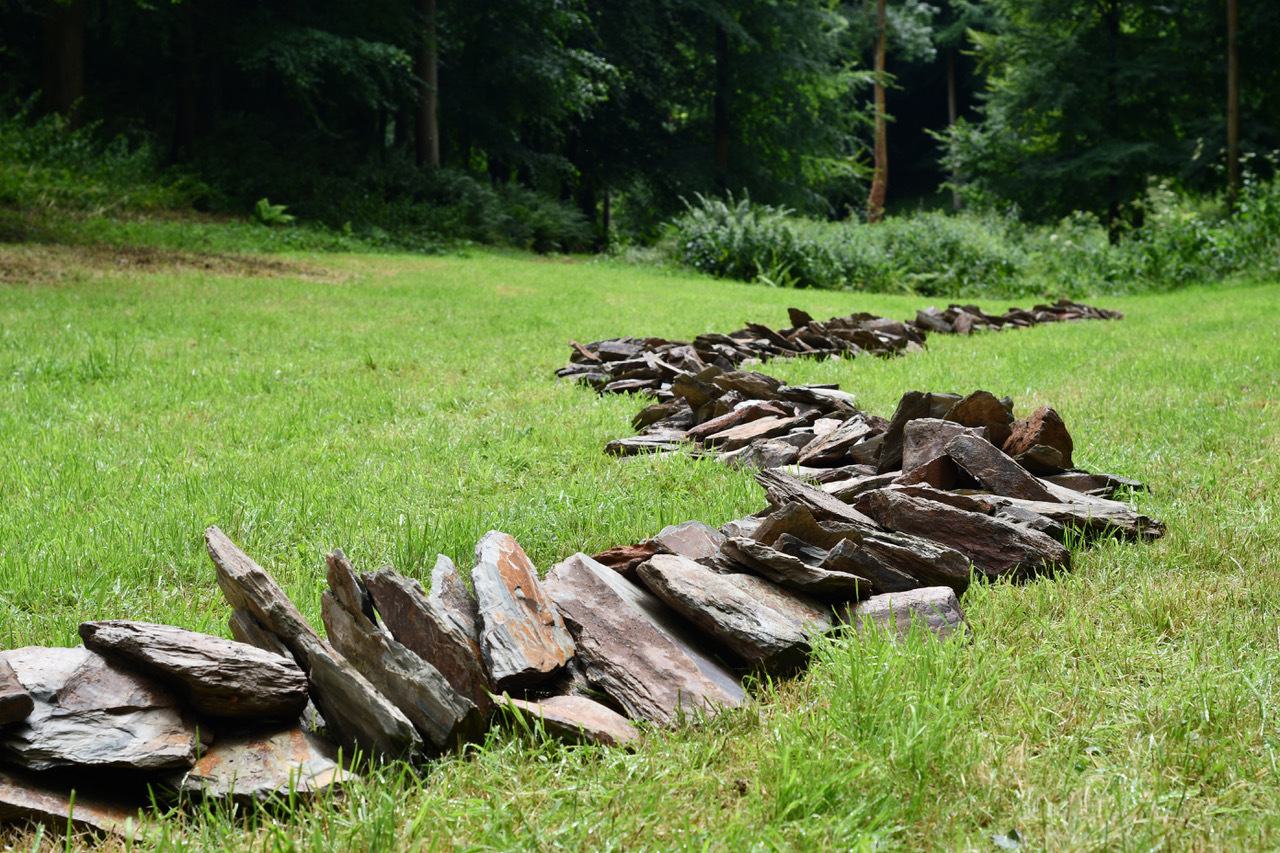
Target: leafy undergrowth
<point>397,406</point>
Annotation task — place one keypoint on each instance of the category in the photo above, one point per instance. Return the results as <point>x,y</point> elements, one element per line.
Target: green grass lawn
<point>397,407</point>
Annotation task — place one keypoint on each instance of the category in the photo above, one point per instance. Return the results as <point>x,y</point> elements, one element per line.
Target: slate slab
<point>257,766</point>
<point>995,546</point>
<point>523,638</point>
<point>15,702</point>
<point>449,592</point>
<point>696,540</point>
<point>895,562</point>
<point>793,573</point>
<point>936,609</point>
<point>925,439</point>
<point>426,627</point>
<point>635,648</point>
<point>217,677</point>
<point>573,718</point>
<point>88,711</point>
<point>781,489</point>
<point>762,623</point>
<point>355,712</point>
<point>996,471</point>
<point>440,714</point>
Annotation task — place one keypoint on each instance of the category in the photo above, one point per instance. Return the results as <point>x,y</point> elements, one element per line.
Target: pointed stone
<point>936,609</point>
<point>30,796</point>
<point>996,547</point>
<point>523,639</point>
<point>895,562</point>
<point>426,628</point>
<point>996,471</point>
<point>576,719</point>
<point>783,489</point>
<point>217,677</point>
<point>765,625</point>
<point>347,587</point>
<point>439,713</point>
<point>449,592</point>
<point>1043,426</point>
<point>15,702</point>
<point>635,648</point>
<point>254,767</point>
<point>833,448</point>
<point>88,711</point>
<point>696,540</point>
<point>913,405</point>
<point>981,409</point>
<point>356,713</point>
<point>925,439</point>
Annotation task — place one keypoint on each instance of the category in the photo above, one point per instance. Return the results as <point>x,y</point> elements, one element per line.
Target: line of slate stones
<point>652,365</point>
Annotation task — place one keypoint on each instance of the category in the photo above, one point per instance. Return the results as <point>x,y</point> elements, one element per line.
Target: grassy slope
<point>397,407</point>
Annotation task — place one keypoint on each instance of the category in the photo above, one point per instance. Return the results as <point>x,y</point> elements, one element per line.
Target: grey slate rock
<point>355,712</point>
<point>217,677</point>
<point>15,702</point>
<point>794,574</point>
<point>91,712</point>
<point>523,638</point>
<point>576,719</point>
<point>996,471</point>
<point>895,562</point>
<point>449,593</point>
<point>257,766</point>
<point>696,540</point>
<point>634,648</point>
<point>764,624</point>
<point>432,631</point>
<point>936,609</point>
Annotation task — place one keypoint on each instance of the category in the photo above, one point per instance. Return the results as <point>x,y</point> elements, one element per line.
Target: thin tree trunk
<point>1233,109</point>
<point>880,179</point>
<point>953,115</point>
<point>428,136</point>
<point>62,71</point>
<point>721,129</point>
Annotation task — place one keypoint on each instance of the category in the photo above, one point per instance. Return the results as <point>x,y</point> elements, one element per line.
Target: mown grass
<point>397,406</point>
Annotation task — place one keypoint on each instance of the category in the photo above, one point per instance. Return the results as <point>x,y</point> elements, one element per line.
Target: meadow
<point>399,406</point>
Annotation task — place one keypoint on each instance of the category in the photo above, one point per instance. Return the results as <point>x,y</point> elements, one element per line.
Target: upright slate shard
<point>523,638</point>
<point>635,648</point>
<point>356,713</point>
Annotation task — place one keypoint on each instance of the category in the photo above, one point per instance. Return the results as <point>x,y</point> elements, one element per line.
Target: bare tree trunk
<point>953,115</point>
<point>62,71</point>
<point>428,137</point>
<point>880,179</point>
<point>721,128</point>
<point>1233,109</point>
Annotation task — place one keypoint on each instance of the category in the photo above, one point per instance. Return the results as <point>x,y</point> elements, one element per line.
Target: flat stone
<point>625,559</point>
<point>751,384</point>
<point>523,638</point>
<point>941,473</point>
<point>793,573</point>
<point>422,624</point>
<point>976,502</point>
<point>796,520</point>
<point>847,490</point>
<point>746,526</point>
<point>1041,460</point>
<point>936,609</point>
<point>356,713</point>
<point>635,445</point>
<point>1096,485</point>
<point>88,711</point>
<point>762,453</point>
<point>261,766</point>
<point>1095,519</point>
<point>576,719</point>
<point>735,417</point>
<point>781,489</point>
<point>15,702</point>
<point>740,436</point>
<point>1034,520</point>
<point>996,471</point>
<point>696,540</point>
<point>1043,426</point>
<point>925,439</point>
<point>449,593</point>
<point>635,648</point>
<point>996,547</point>
<point>441,715</point>
<point>694,390</point>
<point>217,677</point>
<point>28,796</point>
<point>895,562</point>
<point>762,623</point>
<point>833,448</point>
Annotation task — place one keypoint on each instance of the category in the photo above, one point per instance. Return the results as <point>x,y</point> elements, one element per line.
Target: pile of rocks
<point>651,365</point>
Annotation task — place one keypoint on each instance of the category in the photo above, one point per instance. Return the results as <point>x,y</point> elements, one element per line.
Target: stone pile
<point>652,365</point>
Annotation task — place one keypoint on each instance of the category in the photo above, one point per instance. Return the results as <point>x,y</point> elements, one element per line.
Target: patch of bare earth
<point>56,264</point>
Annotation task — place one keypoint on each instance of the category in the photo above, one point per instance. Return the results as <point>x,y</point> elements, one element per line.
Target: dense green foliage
<point>398,406</point>
<point>935,254</point>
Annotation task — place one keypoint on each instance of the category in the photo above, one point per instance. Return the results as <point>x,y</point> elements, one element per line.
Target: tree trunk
<point>1233,109</point>
<point>721,129</point>
<point>428,136</point>
<point>880,178</point>
<point>62,71</point>
<point>953,115</point>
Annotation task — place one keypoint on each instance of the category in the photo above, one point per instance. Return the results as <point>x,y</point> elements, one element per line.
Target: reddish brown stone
<point>1043,426</point>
